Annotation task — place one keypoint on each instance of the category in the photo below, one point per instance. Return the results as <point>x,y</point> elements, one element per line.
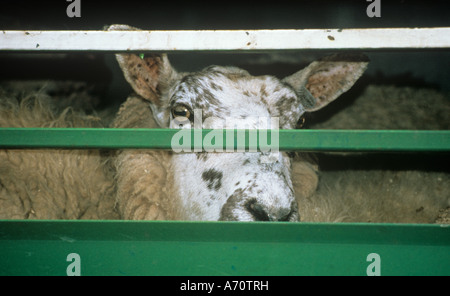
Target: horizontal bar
<point>228,40</point>
<point>193,248</point>
<point>310,140</point>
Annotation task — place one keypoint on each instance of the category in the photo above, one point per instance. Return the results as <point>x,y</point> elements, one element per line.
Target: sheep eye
<point>301,122</point>
<point>181,111</point>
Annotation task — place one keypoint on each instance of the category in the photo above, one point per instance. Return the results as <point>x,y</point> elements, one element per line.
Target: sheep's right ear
<point>146,74</point>
<point>326,79</point>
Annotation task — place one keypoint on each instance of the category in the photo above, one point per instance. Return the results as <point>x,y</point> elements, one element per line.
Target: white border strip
<point>114,41</point>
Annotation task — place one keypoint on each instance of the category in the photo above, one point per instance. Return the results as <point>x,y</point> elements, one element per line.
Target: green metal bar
<point>325,140</point>
<point>221,248</point>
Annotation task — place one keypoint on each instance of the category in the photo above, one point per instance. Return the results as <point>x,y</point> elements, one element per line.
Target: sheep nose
<point>262,213</point>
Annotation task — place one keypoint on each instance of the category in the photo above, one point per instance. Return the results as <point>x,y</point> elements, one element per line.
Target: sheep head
<point>245,185</point>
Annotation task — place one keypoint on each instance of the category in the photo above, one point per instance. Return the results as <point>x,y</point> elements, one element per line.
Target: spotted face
<point>233,186</point>
<point>223,93</point>
<point>239,186</point>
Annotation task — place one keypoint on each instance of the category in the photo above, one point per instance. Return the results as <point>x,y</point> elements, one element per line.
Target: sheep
<point>207,186</point>
<point>340,196</point>
<point>52,184</point>
<point>144,184</point>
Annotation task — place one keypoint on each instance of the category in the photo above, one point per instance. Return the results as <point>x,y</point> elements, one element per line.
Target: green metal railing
<point>331,140</point>
<point>221,248</point>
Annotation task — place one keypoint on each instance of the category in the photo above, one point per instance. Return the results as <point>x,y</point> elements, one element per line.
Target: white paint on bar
<point>388,38</point>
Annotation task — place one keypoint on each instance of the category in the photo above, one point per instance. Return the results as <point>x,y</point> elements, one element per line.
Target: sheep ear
<point>324,80</point>
<point>146,74</point>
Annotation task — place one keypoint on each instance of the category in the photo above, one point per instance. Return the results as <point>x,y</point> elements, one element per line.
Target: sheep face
<point>245,185</point>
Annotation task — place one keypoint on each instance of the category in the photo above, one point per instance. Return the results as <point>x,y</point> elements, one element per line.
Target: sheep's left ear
<point>326,79</point>
<point>147,74</point>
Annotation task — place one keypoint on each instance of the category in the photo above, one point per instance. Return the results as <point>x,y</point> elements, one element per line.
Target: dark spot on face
<point>285,103</point>
<point>213,178</point>
<point>263,91</point>
<point>216,86</point>
<point>264,101</point>
<point>263,95</point>
<point>235,76</point>
<point>202,156</point>
<point>210,98</point>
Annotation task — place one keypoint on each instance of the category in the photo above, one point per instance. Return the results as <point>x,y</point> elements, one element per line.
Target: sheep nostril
<point>258,211</point>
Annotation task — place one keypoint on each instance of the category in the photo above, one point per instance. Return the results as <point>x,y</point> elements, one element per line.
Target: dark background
<point>176,15</point>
